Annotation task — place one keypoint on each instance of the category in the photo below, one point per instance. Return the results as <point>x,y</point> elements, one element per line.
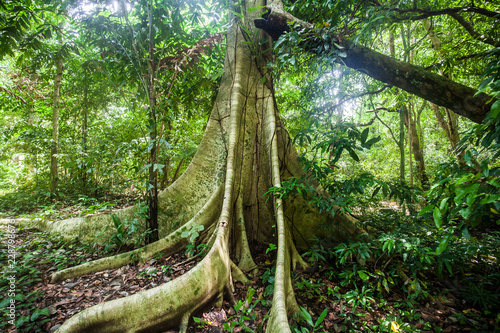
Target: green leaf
<point>251,292</point>
<point>465,233</point>
<point>439,183</point>
<point>252,9</point>
<point>22,320</point>
<point>468,157</point>
<point>437,217</point>
<point>37,313</point>
<point>495,109</point>
<point>307,316</point>
<point>444,205</point>
<point>363,275</point>
<point>321,317</point>
<point>117,222</point>
<point>490,198</point>
<point>372,141</point>
<point>443,244</point>
<point>165,143</point>
<point>465,212</point>
<point>425,210</point>
<point>353,154</point>
<point>158,167</point>
<point>241,16</point>
<point>448,267</point>
<point>493,182</point>
<point>386,286</point>
<point>364,135</point>
<point>460,194</point>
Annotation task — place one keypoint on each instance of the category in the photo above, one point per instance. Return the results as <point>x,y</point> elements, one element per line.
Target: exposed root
<point>296,258</point>
<point>89,226</point>
<point>185,322</point>
<point>243,253</point>
<point>168,245</point>
<point>237,273</point>
<point>25,223</point>
<point>230,295</point>
<point>163,307</point>
<point>283,296</point>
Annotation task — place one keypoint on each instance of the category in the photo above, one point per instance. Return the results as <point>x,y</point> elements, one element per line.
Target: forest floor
<point>321,291</point>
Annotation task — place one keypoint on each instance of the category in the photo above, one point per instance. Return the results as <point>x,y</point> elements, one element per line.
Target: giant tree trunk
<point>55,129</point>
<point>245,150</point>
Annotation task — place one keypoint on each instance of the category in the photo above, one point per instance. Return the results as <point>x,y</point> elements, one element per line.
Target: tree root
<point>168,245</point>
<point>163,307</point>
<point>88,226</point>
<point>243,253</point>
<point>237,274</point>
<point>184,323</point>
<point>283,297</point>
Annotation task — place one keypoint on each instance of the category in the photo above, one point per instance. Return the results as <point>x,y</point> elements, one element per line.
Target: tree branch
<point>413,79</point>
<point>369,123</point>
<point>473,32</point>
<point>381,108</point>
<point>398,142</point>
<point>13,94</point>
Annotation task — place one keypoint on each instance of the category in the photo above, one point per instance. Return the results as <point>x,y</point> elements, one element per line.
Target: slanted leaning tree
<point>245,151</point>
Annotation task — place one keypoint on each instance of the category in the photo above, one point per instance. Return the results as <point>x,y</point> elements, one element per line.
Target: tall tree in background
<point>152,186</point>
<point>54,150</point>
<point>28,27</point>
<point>53,56</point>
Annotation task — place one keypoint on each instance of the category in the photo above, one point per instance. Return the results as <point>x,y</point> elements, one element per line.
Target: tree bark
<point>413,79</point>
<point>55,129</point>
<point>401,142</point>
<point>417,150</point>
